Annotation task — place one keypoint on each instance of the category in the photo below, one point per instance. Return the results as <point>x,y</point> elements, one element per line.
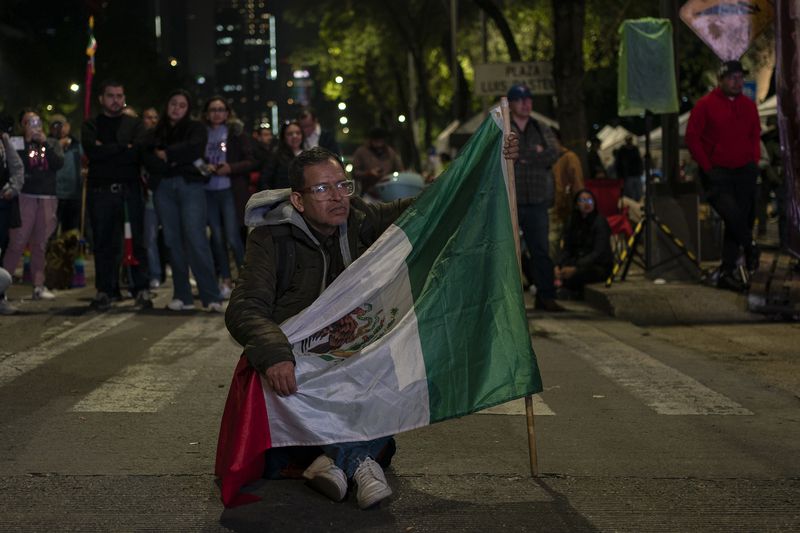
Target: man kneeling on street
<point>296,249</point>
<point>320,230</point>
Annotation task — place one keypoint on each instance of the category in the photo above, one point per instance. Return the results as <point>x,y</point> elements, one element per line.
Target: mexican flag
<point>429,324</point>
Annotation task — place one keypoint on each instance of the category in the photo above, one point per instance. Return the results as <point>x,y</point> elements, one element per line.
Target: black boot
<point>730,282</point>
<point>751,257</point>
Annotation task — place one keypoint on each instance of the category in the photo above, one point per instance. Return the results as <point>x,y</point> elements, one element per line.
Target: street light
<point>173,62</point>
<point>342,120</point>
<point>401,118</point>
<point>338,79</point>
<point>342,106</point>
<point>74,87</point>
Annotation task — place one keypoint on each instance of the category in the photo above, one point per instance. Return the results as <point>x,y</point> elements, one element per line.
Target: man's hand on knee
<point>280,377</point>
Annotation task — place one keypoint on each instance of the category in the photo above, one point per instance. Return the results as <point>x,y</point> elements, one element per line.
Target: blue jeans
<point>107,217</point>
<point>535,225</point>
<point>348,455</point>
<point>151,242</point>
<point>290,461</point>
<point>181,208</point>
<point>222,215</point>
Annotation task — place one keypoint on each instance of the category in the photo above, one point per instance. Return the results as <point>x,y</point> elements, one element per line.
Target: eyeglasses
<point>324,191</point>
<point>585,201</point>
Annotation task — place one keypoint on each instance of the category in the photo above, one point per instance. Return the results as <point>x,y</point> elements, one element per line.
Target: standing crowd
<point>164,192</point>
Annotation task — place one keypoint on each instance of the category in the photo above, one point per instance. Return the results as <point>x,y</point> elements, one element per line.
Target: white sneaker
<point>6,308</point>
<point>215,307</point>
<point>154,283</point>
<point>41,293</point>
<point>325,477</point>
<point>372,485</point>
<point>225,291</point>
<point>178,305</point>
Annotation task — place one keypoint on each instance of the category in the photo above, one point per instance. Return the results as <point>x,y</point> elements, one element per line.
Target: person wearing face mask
<point>174,157</point>
<point>586,255</point>
<point>41,157</point>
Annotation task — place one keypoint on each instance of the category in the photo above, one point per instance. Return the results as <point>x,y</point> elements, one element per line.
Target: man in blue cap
<point>538,150</point>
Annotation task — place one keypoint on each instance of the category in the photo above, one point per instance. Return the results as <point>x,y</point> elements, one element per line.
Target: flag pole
<point>512,205</point>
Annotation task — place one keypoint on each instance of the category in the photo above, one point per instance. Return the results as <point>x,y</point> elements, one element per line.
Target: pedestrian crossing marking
<point>662,388</point>
<point>517,407</point>
<point>167,368</point>
<point>22,362</point>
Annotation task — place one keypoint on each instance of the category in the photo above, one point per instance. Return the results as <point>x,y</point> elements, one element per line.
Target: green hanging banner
<point>646,80</point>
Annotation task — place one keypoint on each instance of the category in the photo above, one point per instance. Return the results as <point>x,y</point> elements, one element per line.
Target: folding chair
<point>608,192</point>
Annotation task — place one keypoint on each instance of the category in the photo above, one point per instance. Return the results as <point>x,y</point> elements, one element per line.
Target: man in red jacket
<point>723,136</point>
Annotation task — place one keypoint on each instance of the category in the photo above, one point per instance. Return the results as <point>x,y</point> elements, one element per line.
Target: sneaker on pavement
<point>41,293</point>
<point>215,307</point>
<point>225,291</point>
<point>101,302</point>
<point>372,485</point>
<point>144,300</point>
<point>178,305</point>
<point>6,308</point>
<point>325,477</point>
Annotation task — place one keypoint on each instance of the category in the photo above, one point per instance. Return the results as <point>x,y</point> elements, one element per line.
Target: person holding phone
<point>41,156</point>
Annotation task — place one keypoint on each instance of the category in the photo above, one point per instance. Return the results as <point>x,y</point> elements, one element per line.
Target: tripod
<point>631,247</point>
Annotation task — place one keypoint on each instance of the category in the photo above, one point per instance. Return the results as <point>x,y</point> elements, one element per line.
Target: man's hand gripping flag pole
<point>512,205</point>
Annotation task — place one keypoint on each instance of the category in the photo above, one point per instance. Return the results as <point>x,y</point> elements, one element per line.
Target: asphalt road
<point>109,423</point>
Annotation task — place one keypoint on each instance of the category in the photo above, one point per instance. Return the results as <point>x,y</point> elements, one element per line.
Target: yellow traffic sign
<point>728,27</point>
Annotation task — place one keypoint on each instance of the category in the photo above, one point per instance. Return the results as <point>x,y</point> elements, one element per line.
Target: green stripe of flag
<point>466,286</point>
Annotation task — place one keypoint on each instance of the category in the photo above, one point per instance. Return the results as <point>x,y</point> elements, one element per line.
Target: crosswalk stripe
<point>662,388</point>
<point>517,407</point>
<point>167,368</point>
<point>22,362</point>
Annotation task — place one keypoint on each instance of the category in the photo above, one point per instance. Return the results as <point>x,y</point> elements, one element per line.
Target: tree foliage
<point>396,57</point>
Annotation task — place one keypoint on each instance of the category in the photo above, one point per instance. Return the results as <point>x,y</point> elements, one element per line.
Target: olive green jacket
<point>254,311</point>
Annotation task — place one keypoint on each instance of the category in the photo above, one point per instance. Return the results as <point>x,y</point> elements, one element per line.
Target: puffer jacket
<point>254,311</point>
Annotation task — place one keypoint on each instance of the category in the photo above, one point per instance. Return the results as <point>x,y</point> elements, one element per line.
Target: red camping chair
<point>607,192</point>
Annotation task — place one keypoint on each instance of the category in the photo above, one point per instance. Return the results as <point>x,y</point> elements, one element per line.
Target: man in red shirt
<point>723,136</point>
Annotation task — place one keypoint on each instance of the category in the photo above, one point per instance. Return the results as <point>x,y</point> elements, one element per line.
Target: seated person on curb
<point>320,230</point>
<point>586,255</point>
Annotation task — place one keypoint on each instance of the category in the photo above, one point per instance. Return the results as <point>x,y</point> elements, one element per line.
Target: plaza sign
<point>494,79</point>
<point>728,27</point>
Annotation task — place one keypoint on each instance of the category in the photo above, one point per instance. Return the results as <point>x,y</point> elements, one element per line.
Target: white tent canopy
<point>611,139</point>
